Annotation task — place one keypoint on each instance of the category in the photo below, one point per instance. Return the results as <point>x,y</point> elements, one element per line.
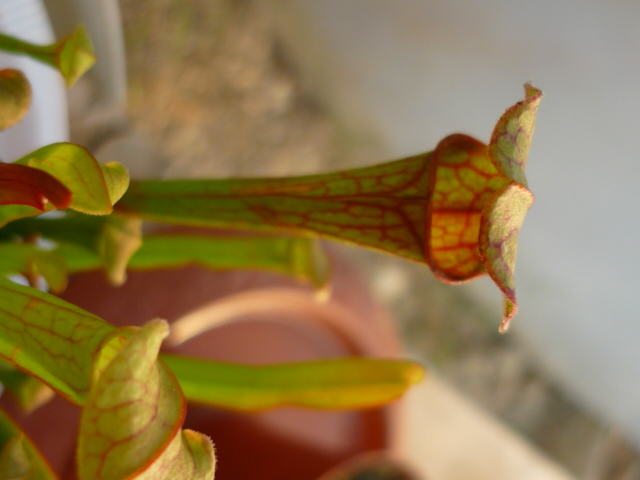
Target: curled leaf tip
<point>510,310</point>
<point>75,55</point>
<point>116,177</point>
<point>501,220</point>
<point>511,138</point>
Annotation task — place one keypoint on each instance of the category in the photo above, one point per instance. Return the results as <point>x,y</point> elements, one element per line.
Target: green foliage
<point>341,383</point>
<point>457,209</point>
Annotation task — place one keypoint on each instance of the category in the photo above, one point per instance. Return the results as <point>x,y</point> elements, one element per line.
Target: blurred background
<point>284,87</point>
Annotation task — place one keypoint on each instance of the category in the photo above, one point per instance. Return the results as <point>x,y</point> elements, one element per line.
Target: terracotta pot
<point>255,318</point>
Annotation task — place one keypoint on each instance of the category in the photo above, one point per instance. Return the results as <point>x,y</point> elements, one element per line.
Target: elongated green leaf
<point>19,459</point>
<point>380,207</point>
<point>49,338</point>
<point>341,383</point>
<point>72,56</point>
<point>428,208</point>
<point>58,342</point>
<point>130,426</point>
<point>15,97</point>
<point>299,257</point>
<point>80,239</point>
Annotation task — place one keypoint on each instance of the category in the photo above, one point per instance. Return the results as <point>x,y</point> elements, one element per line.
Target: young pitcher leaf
<point>342,383</point>
<point>72,56</point>
<point>19,458</point>
<point>15,97</point>
<point>49,338</point>
<point>23,185</point>
<point>380,207</point>
<point>76,168</point>
<point>133,416</point>
<point>120,237</point>
<point>428,208</point>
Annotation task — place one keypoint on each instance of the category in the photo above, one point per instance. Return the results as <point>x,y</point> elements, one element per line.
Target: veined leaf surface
<point>428,208</point>
<point>49,338</point>
<point>130,425</point>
